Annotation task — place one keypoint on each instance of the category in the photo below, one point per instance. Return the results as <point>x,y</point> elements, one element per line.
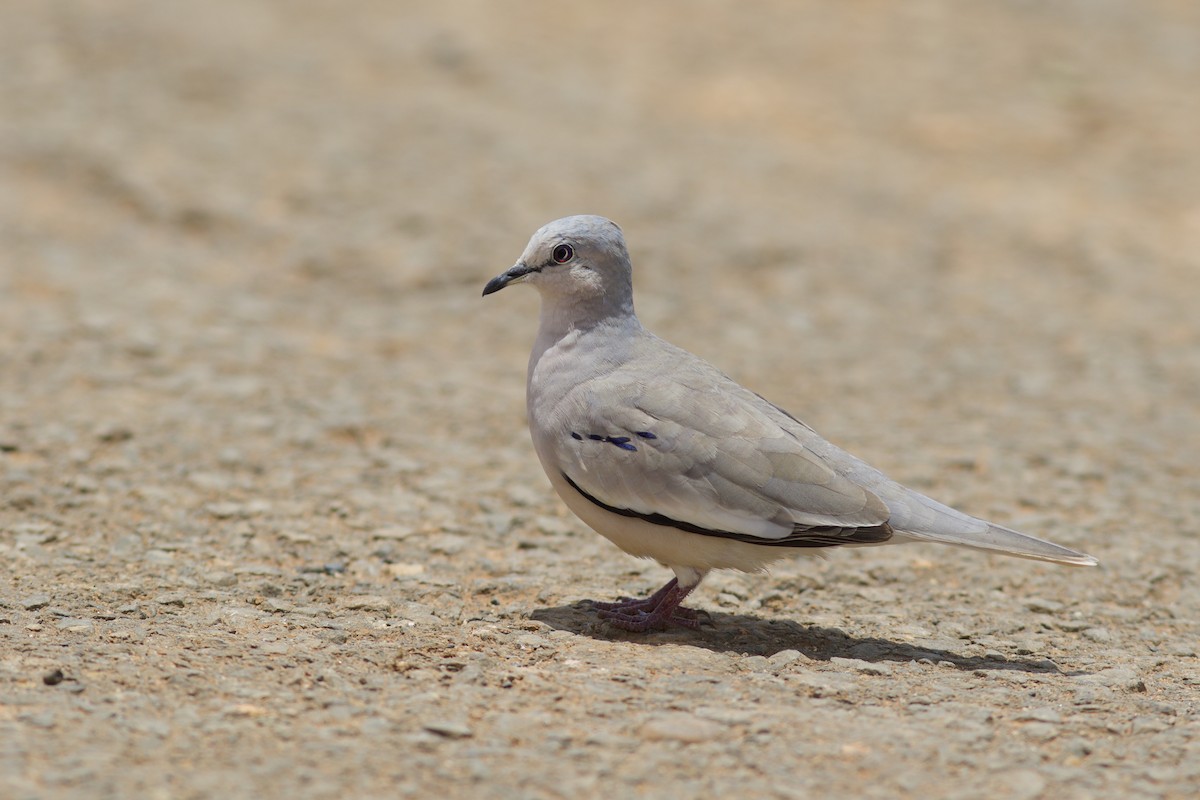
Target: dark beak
<point>514,274</point>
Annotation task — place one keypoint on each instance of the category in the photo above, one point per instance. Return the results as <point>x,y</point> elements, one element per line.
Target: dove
<point>670,459</point>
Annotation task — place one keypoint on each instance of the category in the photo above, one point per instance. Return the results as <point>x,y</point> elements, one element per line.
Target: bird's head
<point>579,259</point>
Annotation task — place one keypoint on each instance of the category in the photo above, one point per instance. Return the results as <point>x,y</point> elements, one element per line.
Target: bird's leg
<point>631,604</point>
<point>656,612</point>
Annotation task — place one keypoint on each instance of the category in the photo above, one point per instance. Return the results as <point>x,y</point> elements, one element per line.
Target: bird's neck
<point>564,321</point>
<point>563,315</point>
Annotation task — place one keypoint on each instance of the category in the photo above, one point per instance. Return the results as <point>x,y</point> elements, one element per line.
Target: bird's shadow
<point>741,633</point>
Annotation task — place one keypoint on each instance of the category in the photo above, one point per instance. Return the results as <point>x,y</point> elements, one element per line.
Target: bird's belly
<point>665,544</point>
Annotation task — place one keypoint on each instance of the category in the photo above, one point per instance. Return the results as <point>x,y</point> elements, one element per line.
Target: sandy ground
<point>271,519</point>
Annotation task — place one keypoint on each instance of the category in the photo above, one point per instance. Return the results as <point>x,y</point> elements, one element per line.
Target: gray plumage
<point>670,459</point>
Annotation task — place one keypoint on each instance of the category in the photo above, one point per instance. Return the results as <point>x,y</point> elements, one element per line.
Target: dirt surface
<point>272,523</point>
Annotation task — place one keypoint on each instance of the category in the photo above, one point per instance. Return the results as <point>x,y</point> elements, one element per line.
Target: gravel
<point>271,519</point>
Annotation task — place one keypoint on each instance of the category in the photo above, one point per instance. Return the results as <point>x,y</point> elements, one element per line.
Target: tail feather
<point>919,518</point>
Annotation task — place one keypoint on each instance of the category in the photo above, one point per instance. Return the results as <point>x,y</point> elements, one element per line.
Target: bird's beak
<point>515,274</point>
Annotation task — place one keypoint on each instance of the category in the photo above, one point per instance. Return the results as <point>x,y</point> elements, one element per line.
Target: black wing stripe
<point>821,536</point>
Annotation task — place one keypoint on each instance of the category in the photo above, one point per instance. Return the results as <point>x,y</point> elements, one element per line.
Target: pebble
<point>394,532</point>
<point>785,658</point>
<point>681,727</point>
<point>1101,635</point>
<point>865,667</point>
<point>524,496</point>
<point>220,578</point>
<point>226,510</point>
<point>45,719</point>
<point>113,432</point>
<point>1116,678</point>
<point>1039,731</point>
<point>1044,714</point>
<point>75,625</point>
<point>531,641</point>
<point>727,715</point>
<point>449,729</point>
<point>756,663</point>
<point>1018,784</point>
<point>34,602</point>
<point>1040,606</point>
<point>365,603</point>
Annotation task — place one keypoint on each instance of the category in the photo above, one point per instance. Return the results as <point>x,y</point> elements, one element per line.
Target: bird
<point>670,459</point>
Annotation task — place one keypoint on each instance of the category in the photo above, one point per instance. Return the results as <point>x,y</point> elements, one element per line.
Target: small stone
<point>395,532</point>
<point>366,602</point>
<point>865,667</point>
<point>84,483</point>
<point>1116,678</point>
<point>226,510</point>
<point>172,599</point>
<point>34,602</point>
<point>45,719</point>
<point>245,710</point>
<point>1040,606</point>
<point>221,578</point>
<point>34,533</point>
<point>1020,784</point>
<point>156,556</point>
<point>75,625</point>
<point>531,641</point>
<point>405,570</point>
<point>522,496</point>
<point>756,663</point>
<point>1077,746</point>
<point>1044,714</point>
<point>113,432</point>
<point>785,658</point>
<point>1039,731</point>
<point>1073,625</point>
<point>53,678</point>
<point>417,613</point>
<point>1101,635</point>
<point>681,727</point>
<point>1148,724</point>
<point>450,729</point>
<point>726,715</point>
<point>279,606</point>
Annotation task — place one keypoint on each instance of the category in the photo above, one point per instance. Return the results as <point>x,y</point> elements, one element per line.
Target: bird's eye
<point>563,253</point>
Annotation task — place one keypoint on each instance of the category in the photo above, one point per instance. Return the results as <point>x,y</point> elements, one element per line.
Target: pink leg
<point>656,612</point>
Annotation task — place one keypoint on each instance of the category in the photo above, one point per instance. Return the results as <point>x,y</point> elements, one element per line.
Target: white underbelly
<point>665,544</point>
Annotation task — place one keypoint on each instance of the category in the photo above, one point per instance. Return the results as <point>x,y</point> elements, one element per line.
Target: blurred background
<point>242,246</point>
<point>975,229</point>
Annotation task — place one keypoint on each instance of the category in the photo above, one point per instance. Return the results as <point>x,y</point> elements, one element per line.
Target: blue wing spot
<point>646,435</point>
<point>620,441</point>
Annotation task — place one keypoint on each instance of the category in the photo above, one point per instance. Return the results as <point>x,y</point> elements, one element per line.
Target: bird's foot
<point>659,611</point>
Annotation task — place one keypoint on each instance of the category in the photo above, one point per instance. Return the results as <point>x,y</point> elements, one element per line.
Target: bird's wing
<point>692,449</point>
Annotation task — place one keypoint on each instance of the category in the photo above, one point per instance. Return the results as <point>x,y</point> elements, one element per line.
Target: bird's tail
<point>919,518</point>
